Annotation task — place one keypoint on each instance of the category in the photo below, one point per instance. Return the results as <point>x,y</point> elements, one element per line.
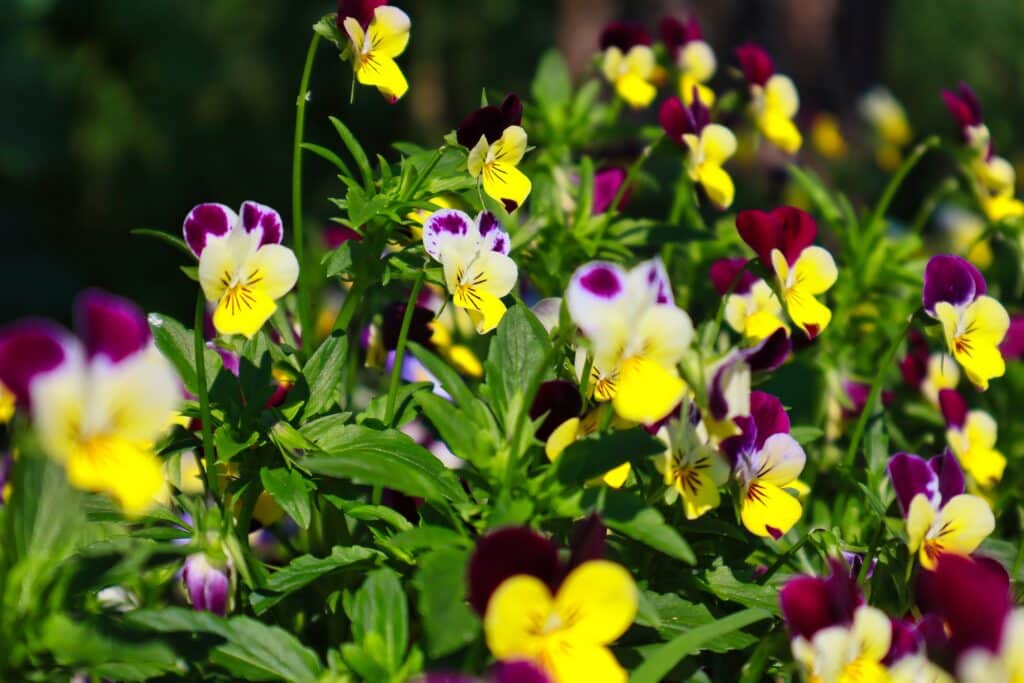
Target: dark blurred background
<point>121,114</point>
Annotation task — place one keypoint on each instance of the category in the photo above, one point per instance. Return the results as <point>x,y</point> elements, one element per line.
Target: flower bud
<point>208,585</point>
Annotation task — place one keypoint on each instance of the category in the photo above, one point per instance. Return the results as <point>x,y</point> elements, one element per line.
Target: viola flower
<point>783,240</point>
<point>1012,347</point>
<point>242,266</point>
<point>827,136</point>
<point>208,585</point>
<point>773,98</point>
<point>570,430</point>
<point>379,34</point>
<point>766,460</point>
<point>690,464</point>
<point>973,324</point>
<point>708,146</point>
<point>637,336</point>
<point>940,517</point>
<point>965,109</point>
<point>928,372</point>
<point>751,307</point>
<point>888,119</point>
<point>627,62</point>
<point>98,402</point>
<point>607,183</point>
<point>496,144</point>
<point>971,436</point>
<point>692,55</point>
<point>474,255</point>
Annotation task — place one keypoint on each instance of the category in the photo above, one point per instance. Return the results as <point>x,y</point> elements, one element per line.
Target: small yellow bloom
<point>692,466</point>
<point>375,49</point>
<point>958,527</point>
<point>709,150</point>
<point>631,73</point>
<point>973,334</point>
<point>974,444</point>
<point>774,105</point>
<point>827,137</point>
<point>813,273</point>
<point>755,314</point>
<point>844,654</point>
<point>497,165</point>
<point>576,428</point>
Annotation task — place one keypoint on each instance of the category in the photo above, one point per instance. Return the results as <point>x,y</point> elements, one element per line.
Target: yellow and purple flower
<point>379,33</point>
<point>784,241</point>
<point>965,109</point>
<point>708,146</point>
<point>98,402</point>
<point>940,517</point>
<point>973,324</point>
<point>627,62</point>
<point>774,101</point>
<point>496,144</point>
<point>243,268</point>
<point>694,58</point>
<point>972,435</point>
<point>751,307</point>
<point>637,336</point>
<point>690,464</point>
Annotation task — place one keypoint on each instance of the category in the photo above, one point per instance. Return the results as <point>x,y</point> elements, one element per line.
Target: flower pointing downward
<point>379,33</point>
<point>496,144</point>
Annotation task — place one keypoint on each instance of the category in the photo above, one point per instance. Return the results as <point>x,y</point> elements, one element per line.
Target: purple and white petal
<point>950,476</point>
<point>443,225</point>
<point>952,279</point>
<point>29,348</point>
<point>657,281</point>
<point>911,475</point>
<point>769,416</point>
<point>110,326</point>
<point>729,391</point>
<point>494,238</point>
<point>594,290</point>
<point>205,222</point>
<point>216,592</point>
<point>262,218</point>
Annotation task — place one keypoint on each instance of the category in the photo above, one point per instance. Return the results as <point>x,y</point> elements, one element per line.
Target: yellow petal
<point>355,34</point>
<point>389,31</point>
<point>477,157</point>
<point>516,614</point>
<point>717,183</point>
<point>814,271</point>
<point>569,661</point>
<point>242,310</point>
<point>618,476</point>
<point>128,471</point>
<point>965,521</point>
<point>640,62</point>
<point>698,492</point>
<point>920,518</point>
<point>273,269</point>
<point>873,632</point>
<point>597,602</point>
<point>637,92</point>
<point>780,131</point>
<point>563,436</point>
<point>697,60</point>
<point>974,339</point>
<point>464,360</point>
<point>484,308</point>
<point>664,332</point>
<point>767,510</point>
<point>718,143</point>
<point>510,147</point>
<point>646,391</point>
<point>809,314</point>
<point>507,184</point>
<point>686,85</point>
<point>382,71</point>
<point>780,97</point>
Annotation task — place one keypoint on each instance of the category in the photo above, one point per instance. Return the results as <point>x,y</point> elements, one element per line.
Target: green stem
<point>876,221</point>
<point>784,558</point>
<point>631,173</point>
<point>348,307</point>
<point>305,306</point>
<point>209,455</point>
<point>411,193</point>
<point>403,335</point>
<point>931,202</point>
<point>876,390</point>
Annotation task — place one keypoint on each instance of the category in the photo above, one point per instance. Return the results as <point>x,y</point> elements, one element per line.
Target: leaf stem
<point>403,335</point>
<point>209,454</point>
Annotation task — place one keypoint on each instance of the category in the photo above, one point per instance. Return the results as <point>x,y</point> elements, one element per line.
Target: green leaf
<point>357,152</point>
<point>657,666</point>
<point>380,618</point>
<point>364,512</point>
<point>78,644</point>
<point>721,582</point>
<point>806,434</point>
<point>519,348</point>
<point>453,384</point>
<point>166,238</point>
<point>592,457</point>
<point>427,537</point>
<point>384,458</point>
<point>306,569</point>
<point>440,583</point>
<point>818,193</point>
<point>626,513</point>
<point>551,86</point>
<point>339,260</point>
<point>291,491</point>
<point>177,344</point>
<point>472,445</point>
<point>323,373</point>
<point>328,156</point>
<point>676,615</point>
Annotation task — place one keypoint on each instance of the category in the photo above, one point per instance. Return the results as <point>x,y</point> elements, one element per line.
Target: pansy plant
<point>496,144</point>
<point>973,323</point>
<point>474,256</point>
<point>971,435</point>
<point>694,58</point>
<point>940,517</point>
<point>784,241</point>
<point>243,268</point>
<point>98,401</point>
<point>637,336</point>
<point>708,146</point>
<point>379,33</point>
<point>627,62</point>
<point>774,101</point>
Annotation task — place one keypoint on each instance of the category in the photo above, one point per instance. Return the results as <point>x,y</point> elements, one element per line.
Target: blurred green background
<point>120,114</point>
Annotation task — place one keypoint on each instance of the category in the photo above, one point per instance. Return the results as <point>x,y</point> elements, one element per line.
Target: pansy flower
<point>940,517</point>
<point>973,324</point>
<point>971,435</point>
<point>98,402</point>
<point>888,119</point>
<point>379,34</point>
<point>637,336</point>
<point>766,460</point>
<point>708,146</point>
<point>692,55</point>
<point>474,256</point>
<point>926,371</point>
<point>783,240</point>
<point>243,268</point>
<point>627,61</point>
<point>496,144</point>
<point>964,107</point>
<point>1012,347</point>
<point>774,101</point>
<point>827,136</point>
<point>690,465</point>
<point>751,307</point>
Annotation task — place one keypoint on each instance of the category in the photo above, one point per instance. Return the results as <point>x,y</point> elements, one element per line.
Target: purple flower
<point>939,479</point>
<point>606,186</point>
<point>810,603</point>
<point>727,271</point>
<point>490,121</point>
<point>787,228</point>
<point>858,393</point>
<point>678,120</point>
<point>952,279</point>
<point>757,66</point>
<point>973,598</point>
<point>209,586</point>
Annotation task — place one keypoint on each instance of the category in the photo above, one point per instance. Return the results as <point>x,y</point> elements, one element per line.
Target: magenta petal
<point>905,641</point>
<point>974,599</point>
<point>519,671</point>
<point>952,279</point>
<point>504,553</point>
<point>1012,347</point>
<point>110,325</point>
<point>256,216</point>
<point>769,416</point>
<point>950,476</point>
<point>676,120</point>
<point>954,408</point>
<point>788,229</point>
<point>606,186</point>
<point>805,606</point>
<point>911,475</point>
<point>559,400</point>
<point>726,271</point>
<point>757,66</point>
<point>360,10</point>
<point>29,348</point>
<point>205,221</point>
<point>676,33</point>
<point>216,591</point>
<point>623,35</point>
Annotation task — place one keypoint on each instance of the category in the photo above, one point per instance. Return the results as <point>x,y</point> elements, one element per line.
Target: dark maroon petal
<point>931,631</point>
<point>914,366</point>
<point>769,416</point>
<point>205,221</point>
<point>974,599</point>
<point>512,110</point>
<point>769,353</point>
<point>405,505</point>
<point>905,641</point>
<point>1012,347</point>
<point>110,326</point>
<point>700,112</point>
<point>607,183</point>
<point>29,348</point>
<point>954,408</point>
<point>488,122</point>
<point>519,671</point>
<point>951,279</point>
<point>788,229</point>
<point>587,541</point>
<point>757,66</point>
<point>805,606</point>
<point>337,235</point>
<point>950,476</point>
<point>624,35</point>
<point>676,33</point>
<point>420,327</point>
<point>256,216</point>
<point>360,10</point>
<point>730,276</point>
<point>910,476</point>
<point>676,120</point>
<point>964,107</point>
<point>559,400</point>
<point>504,553</point>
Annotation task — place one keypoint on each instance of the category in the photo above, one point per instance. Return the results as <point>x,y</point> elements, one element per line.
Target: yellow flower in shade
<point>774,101</point>
<point>637,336</point>
<point>375,45</point>
<point>691,466</point>
<point>972,435</point>
<point>496,144</point>
<point>847,653</point>
<point>995,181</point>
<point>827,137</point>
<point>973,324</point>
<point>751,307</point>
<point>708,146</point>
<point>474,255</point>
<point>888,119</point>
<point>627,62</point>
<point>567,633</point>
<point>243,267</point>
<point>575,428</point>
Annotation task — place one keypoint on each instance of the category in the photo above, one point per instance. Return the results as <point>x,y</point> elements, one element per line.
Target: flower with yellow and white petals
<point>496,144</point>
<point>628,63</point>
<point>690,464</point>
<point>774,101</point>
<point>751,307</point>
<point>378,33</point>
<point>888,119</point>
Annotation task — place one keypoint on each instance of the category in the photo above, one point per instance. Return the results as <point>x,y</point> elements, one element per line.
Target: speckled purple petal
<point>952,279</point>
<point>600,280</point>
<point>29,348</point>
<point>206,221</point>
<point>974,599</point>
<point>949,474</point>
<point>504,553</point>
<point>911,475</point>
<point>954,408</point>
<point>441,225</point>
<point>262,218</point>
<point>519,671</point>
<point>495,239</point>
<point>110,326</point>
<point>657,280</point>
<point>559,400</point>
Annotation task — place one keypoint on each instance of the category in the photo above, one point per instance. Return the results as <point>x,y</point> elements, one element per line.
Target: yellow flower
<point>755,314</point>
<point>974,444</point>
<point>709,149</point>
<point>631,73</point>
<point>497,165</point>
<point>827,136</point>
<point>575,428</point>
<point>375,49</point>
<point>7,400</point>
<point>691,466</point>
<point>567,633</point>
<point>958,527</point>
<point>973,334</point>
<point>813,273</point>
<point>845,654</point>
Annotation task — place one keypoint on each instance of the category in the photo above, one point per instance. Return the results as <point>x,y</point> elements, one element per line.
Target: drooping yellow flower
<point>972,436</point>
<point>827,136</point>
<point>708,146</point>
<point>376,46</point>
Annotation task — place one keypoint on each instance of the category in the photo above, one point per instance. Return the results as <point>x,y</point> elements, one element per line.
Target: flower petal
<point>205,221</point>
<point>910,476</point>
<point>557,400</point>
<point>515,609</point>
<point>597,602</point>
<point>781,460</point>
<point>256,216</point>
<point>273,270</point>
<point>786,228</point>
<point>243,312</point>
<point>730,276</point>
<point>494,238</point>
<point>664,333</point>
<point>647,391</point>
<point>110,326</point>
<point>446,225</point>
<point>951,279</point>
<point>954,408</point>
<point>814,271</point>
<point>966,521</point>
<point>389,31</point>
<point>950,476</point>
<point>383,72</point>
<point>767,510</point>
<point>28,349</point>
<point>597,299</point>
<point>974,600</point>
<point>574,661</point>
